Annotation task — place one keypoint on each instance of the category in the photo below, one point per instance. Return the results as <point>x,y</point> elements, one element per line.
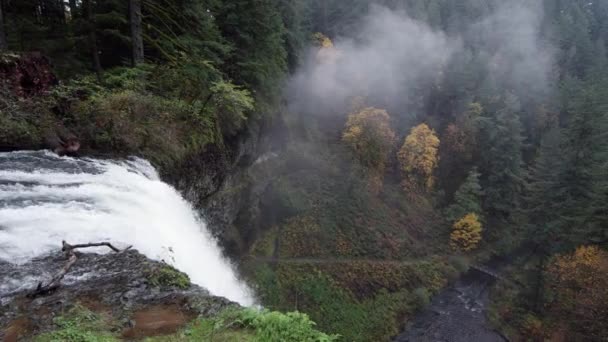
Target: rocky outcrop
<point>124,286</point>
<point>226,186</point>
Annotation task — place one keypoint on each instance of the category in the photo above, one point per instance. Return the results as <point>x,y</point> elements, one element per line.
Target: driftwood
<point>69,251</point>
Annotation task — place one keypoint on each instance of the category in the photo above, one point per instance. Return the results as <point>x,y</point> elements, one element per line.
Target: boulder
<point>119,285</point>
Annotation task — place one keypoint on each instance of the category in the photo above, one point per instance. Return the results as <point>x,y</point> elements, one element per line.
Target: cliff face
<point>226,186</point>
<point>138,297</point>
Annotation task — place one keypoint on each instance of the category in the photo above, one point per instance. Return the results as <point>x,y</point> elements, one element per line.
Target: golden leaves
<point>466,233</point>
<point>578,283</point>
<point>370,136</point>
<point>418,157</point>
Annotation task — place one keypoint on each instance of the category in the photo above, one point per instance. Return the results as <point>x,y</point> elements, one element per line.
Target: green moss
<point>167,276</point>
<point>79,325</point>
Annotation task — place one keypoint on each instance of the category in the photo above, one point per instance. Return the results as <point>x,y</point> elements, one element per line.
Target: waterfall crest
<point>45,199</point>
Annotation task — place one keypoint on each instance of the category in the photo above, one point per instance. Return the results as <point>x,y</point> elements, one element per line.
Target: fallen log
<point>68,249</point>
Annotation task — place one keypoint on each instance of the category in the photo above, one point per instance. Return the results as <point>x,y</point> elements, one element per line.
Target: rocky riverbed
<point>457,314</point>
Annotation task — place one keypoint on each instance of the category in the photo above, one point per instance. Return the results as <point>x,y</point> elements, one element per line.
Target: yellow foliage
<point>418,157</point>
<point>466,233</point>
<point>579,284</point>
<point>322,40</point>
<point>327,52</point>
<point>369,134</point>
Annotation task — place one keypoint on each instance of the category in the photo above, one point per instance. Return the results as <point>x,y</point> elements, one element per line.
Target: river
<point>456,314</point>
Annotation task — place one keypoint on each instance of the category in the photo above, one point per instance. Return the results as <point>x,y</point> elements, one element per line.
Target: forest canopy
<point>429,130</point>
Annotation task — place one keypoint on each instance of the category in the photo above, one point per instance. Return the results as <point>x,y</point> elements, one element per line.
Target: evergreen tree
<point>3,43</point>
<point>467,199</point>
<point>503,166</point>
<point>259,57</point>
<point>585,148</point>
<point>544,194</point>
<point>137,44</point>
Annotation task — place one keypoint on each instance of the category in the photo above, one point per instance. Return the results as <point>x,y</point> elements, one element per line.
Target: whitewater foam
<point>45,199</point>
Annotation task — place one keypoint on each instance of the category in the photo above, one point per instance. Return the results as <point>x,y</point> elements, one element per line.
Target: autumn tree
<point>467,199</point>
<point>466,233</point>
<point>418,157</point>
<point>369,134</point>
<point>577,293</point>
<point>327,52</point>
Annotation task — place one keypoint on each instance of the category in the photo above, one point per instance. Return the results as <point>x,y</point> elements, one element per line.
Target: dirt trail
<point>334,261</point>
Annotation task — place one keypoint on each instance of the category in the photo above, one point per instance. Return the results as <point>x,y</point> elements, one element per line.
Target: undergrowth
<point>82,325</point>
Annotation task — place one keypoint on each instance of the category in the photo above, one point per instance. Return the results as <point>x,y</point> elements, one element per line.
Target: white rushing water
<point>45,199</point>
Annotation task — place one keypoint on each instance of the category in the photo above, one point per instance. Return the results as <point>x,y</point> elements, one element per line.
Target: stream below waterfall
<point>456,314</point>
<point>45,199</point>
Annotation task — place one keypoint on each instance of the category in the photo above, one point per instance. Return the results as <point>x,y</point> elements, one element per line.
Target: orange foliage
<point>578,283</point>
<point>466,233</point>
<point>327,52</point>
<point>418,156</point>
<point>370,136</point>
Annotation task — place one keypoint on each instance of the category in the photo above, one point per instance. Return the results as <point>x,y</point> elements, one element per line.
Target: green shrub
<point>167,276</point>
<point>460,263</point>
<point>422,297</point>
<point>271,326</point>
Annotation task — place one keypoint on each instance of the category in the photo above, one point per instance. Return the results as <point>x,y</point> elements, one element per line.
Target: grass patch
<point>167,276</point>
<point>79,325</point>
<point>244,325</point>
<point>250,325</point>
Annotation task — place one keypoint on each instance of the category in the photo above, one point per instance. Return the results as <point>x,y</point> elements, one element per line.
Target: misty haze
<point>303,170</point>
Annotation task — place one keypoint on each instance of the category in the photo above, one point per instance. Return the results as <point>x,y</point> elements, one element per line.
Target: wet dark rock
<point>456,314</point>
<point>117,284</point>
<point>226,186</point>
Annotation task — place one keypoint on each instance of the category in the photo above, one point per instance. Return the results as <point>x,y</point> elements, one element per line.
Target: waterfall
<point>45,199</point>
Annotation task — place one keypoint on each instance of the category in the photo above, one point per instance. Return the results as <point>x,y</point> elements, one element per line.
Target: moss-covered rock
<point>167,276</point>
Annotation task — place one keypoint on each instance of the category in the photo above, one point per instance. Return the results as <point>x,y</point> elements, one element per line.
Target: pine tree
<point>545,191</point>
<point>584,178</point>
<point>259,58</point>
<point>467,199</point>
<point>137,44</point>
<point>3,43</point>
<point>503,166</point>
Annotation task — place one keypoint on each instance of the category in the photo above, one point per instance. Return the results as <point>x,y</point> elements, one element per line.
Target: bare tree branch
<point>68,249</point>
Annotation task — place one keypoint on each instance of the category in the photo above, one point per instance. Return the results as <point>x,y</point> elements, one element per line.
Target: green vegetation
<point>82,325</point>
<point>361,300</point>
<point>79,325</point>
<point>167,276</point>
<point>362,201</point>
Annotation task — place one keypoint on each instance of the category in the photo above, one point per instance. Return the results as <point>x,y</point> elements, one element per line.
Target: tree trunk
<point>93,38</point>
<point>3,43</point>
<point>136,33</point>
<point>73,9</point>
<point>540,284</point>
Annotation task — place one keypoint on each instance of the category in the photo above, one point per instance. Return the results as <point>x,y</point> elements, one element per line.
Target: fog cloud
<point>393,56</point>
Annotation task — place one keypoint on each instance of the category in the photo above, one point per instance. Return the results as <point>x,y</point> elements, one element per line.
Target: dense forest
<point>400,141</point>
